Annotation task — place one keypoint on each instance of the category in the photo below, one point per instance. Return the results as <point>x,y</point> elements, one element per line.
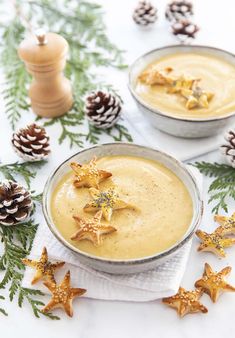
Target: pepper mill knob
<point>45,58</point>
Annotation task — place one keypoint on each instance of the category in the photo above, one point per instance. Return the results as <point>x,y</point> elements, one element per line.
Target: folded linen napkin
<point>145,286</point>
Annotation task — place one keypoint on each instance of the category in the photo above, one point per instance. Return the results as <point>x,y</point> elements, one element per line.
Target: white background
<point>102,319</point>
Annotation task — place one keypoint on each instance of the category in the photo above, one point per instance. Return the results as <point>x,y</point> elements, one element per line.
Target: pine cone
<point>228,149</point>
<point>31,143</point>
<point>178,10</point>
<point>184,29</point>
<point>15,203</point>
<point>103,109</point>
<point>145,13</point>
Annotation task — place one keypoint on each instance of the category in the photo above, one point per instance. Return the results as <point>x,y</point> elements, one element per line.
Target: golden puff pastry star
<point>107,202</point>
<point>44,269</point>
<point>62,295</point>
<point>214,243</point>
<point>156,76</point>
<point>186,302</point>
<point>213,283</point>
<point>197,98</point>
<point>88,175</point>
<point>227,224</point>
<point>92,229</point>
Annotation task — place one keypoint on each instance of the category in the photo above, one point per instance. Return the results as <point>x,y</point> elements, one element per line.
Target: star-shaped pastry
<point>182,83</point>
<point>196,97</point>
<point>186,302</point>
<point>44,269</point>
<point>227,224</point>
<point>88,175</point>
<point>214,242</point>
<point>156,76</point>
<point>213,283</point>
<point>107,202</point>
<point>62,295</point>
<point>92,229</point>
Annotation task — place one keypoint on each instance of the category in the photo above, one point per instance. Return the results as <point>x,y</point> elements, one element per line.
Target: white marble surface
<point>105,319</point>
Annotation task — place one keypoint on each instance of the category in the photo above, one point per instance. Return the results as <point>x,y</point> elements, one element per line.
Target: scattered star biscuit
<point>186,302</point>
<point>107,202</point>
<point>92,229</point>
<point>227,224</point>
<point>62,295</point>
<point>214,243</point>
<point>213,283</point>
<point>44,269</point>
<point>88,175</point>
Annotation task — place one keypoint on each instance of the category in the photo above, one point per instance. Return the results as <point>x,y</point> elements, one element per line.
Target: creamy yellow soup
<point>163,215</point>
<point>217,76</point>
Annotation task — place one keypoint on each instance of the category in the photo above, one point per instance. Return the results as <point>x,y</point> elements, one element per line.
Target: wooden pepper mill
<point>45,58</point>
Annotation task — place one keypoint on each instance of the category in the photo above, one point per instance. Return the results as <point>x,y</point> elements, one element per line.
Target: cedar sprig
<point>2,311</point>
<point>222,187</point>
<point>26,170</point>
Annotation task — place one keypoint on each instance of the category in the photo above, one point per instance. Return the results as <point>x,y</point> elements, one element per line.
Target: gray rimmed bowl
<point>181,127</point>
<point>116,266</point>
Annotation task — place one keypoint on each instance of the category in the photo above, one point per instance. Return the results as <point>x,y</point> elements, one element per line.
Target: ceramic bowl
<point>131,265</point>
<point>182,127</point>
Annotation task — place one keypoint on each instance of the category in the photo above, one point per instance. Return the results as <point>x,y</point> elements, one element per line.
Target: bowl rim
<point>185,238</point>
<point>165,114</point>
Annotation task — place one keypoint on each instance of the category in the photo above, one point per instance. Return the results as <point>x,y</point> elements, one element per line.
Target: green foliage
<point>2,311</point>
<point>82,26</point>
<point>26,170</point>
<point>222,187</point>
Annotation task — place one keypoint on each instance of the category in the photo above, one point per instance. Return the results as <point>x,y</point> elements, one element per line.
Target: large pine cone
<point>145,13</point>
<point>103,109</point>
<point>31,143</point>
<point>228,149</point>
<point>178,10</point>
<point>15,203</point>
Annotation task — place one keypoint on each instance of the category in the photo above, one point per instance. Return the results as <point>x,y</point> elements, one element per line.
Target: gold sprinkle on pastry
<point>227,224</point>
<point>44,269</point>
<point>214,243</point>
<point>88,175</point>
<point>186,302</point>
<point>62,295</point>
<point>92,229</point>
<point>213,283</point>
<point>106,201</point>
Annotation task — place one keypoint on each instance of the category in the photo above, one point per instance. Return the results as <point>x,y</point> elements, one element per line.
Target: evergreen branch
<point>2,311</point>
<point>222,187</point>
<point>25,170</point>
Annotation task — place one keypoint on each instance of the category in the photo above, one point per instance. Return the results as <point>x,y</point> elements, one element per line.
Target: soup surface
<point>163,214</point>
<point>216,74</point>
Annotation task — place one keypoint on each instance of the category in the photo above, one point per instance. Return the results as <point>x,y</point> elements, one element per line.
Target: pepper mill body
<point>45,59</point>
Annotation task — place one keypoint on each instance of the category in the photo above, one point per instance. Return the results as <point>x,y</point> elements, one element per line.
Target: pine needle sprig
<point>222,187</point>
<point>16,78</point>
<point>25,170</point>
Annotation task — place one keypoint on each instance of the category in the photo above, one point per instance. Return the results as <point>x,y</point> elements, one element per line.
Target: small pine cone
<point>184,29</point>
<point>15,203</point>
<point>31,143</point>
<point>103,109</point>
<point>145,13</point>
<point>178,10</point>
<point>228,149</point>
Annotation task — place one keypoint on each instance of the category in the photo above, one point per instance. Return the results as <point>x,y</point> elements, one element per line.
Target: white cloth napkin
<point>146,286</point>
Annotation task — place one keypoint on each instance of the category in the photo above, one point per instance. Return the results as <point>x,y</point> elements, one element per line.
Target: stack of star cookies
<point>103,203</point>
